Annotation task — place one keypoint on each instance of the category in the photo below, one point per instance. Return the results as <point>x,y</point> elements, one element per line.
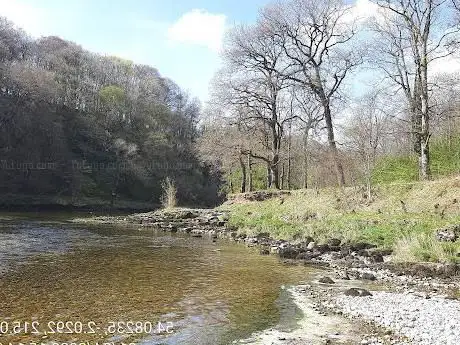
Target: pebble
<point>424,321</point>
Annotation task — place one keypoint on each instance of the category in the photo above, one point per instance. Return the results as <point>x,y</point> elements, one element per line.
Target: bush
<point>168,198</point>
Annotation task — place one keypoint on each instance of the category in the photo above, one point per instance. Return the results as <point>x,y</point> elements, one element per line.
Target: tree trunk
<point>243,175</point>
<point>289,158</point>
<point>249,161</point>
<point>282,177</point>
<point>274,171</point>
<point>332,144</point>
<point>305,159</point>
<point>269,176</point>
<point>424,159</point>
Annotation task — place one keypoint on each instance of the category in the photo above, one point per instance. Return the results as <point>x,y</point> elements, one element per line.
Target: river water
<point>101,281</point>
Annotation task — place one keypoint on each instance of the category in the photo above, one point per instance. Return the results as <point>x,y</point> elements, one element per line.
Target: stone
<point>334,242</point>
<point>326,280</point>
<point>322,248</point>
<point>274,250</point>
<point>449,233</point>
<point>289,252</point>
<point>357,292</point>
<point>311,245</point>
<point>367,276</point>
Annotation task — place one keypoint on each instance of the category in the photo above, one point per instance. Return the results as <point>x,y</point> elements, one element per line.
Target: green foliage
<point>445,156</point>
<point>112,96</point>
<point>113,144</point>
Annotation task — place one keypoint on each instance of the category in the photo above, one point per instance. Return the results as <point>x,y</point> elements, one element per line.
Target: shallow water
<point>199,291</point>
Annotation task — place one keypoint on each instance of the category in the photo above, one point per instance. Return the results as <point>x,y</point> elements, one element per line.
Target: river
<point>77,283</point>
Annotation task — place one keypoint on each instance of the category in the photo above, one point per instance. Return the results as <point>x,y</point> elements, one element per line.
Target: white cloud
<point>199,27</point>
<point>447,65</point>
<point>30,18</point>
<point>362,11</point>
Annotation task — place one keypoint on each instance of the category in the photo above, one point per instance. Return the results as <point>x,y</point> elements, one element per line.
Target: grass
<point>444,161</point>
<point>169,196</point>
<point>346,214</point>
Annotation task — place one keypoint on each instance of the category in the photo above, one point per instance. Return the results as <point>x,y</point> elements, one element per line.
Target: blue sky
<point>181,38</point>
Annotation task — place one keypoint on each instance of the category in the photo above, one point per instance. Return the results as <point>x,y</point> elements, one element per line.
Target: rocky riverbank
<point>419,304</point>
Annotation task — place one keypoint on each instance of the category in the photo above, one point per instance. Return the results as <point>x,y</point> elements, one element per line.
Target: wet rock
<point>307,256</point>
<point>357,292</point>
<point>326,280</point>
<point>289,252</point>
<point>322,248</point>
<point>377,257</point>
<point>367,276</point>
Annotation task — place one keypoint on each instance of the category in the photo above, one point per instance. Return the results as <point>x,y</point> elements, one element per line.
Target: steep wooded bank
<point>77,127</point>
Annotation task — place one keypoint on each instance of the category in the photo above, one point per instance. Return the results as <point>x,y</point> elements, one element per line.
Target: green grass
<point>347,215</point>
<point>444,161</point>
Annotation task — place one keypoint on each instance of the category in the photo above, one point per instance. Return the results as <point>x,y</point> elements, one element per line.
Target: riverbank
<point>46,203</point>
<point>404,241</point>
<point>416,222</point>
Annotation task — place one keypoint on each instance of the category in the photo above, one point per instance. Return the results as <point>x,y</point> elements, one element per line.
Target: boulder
<point>322,248</point>
<point>367,276</point>
<point>289,252</point>
<point>326,280</point>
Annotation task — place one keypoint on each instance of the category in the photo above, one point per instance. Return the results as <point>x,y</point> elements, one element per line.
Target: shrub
<point>168,198</point>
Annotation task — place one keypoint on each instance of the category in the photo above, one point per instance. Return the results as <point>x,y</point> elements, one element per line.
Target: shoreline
<point>373,319</point>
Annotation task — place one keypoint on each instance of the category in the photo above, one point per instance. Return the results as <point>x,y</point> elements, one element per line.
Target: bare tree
<point>316,38</point>
<point>254,85</point>
<point>365,134</point>
<point>414,36</point>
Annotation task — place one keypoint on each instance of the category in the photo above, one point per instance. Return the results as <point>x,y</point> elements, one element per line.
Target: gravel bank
<point>422,319</point>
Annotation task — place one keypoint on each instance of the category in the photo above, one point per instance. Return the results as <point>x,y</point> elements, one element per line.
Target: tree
<point>254,87</point>
<point>416,33</point>
<point>316,40</point>
<point>365,134</point>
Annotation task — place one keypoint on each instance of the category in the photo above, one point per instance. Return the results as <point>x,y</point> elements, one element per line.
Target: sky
<point>181,38</point>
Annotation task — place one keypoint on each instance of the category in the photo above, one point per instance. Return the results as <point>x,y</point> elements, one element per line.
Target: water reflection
<point>213,293</point>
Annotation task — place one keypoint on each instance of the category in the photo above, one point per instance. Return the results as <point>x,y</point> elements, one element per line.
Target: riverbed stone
<point>357,292</point>
<point>311,245</point>
<point>326,280</point>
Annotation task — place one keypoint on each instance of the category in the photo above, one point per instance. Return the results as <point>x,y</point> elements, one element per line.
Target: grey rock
<point>326,280</point>
<point>357,292</point>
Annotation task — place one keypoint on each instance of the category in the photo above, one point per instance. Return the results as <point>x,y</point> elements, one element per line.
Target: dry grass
<point>168,198</point>
<point>424,247</point>
<point>346,214</point>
